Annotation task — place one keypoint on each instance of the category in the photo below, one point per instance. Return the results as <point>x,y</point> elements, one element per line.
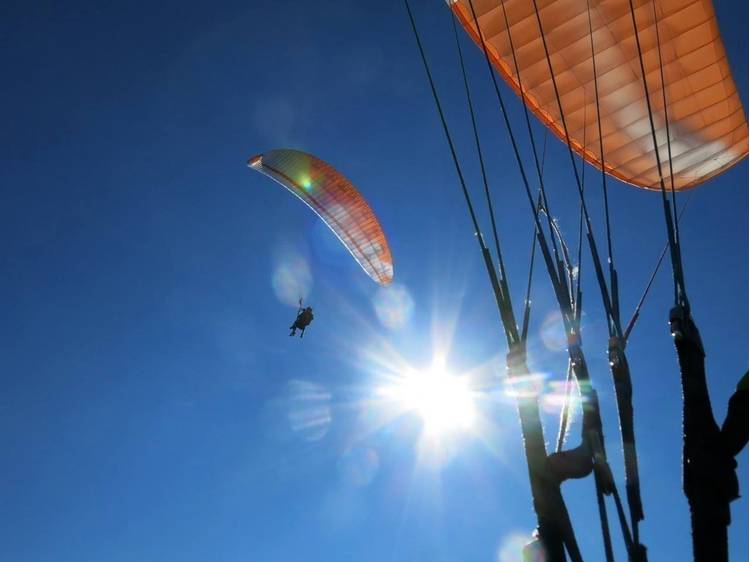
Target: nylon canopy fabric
<point>707,123</point>
<point>335,200</point>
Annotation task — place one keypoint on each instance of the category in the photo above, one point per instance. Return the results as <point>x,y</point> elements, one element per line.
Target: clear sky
<point>153,407</point>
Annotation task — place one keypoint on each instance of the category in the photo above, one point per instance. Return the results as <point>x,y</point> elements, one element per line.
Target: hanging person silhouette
<point>304,318</point>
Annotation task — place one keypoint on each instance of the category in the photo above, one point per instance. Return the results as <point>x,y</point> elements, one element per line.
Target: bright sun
<point>443,401</point>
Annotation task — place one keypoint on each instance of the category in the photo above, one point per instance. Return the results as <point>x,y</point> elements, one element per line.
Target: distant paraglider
<point>335,200</point>
<point>303,320</point>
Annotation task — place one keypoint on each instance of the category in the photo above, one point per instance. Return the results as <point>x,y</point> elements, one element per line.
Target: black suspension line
<point>579,254</point>
<point>619,367</point>
<point>613,285</point>
<point>562,429</point>
<point>540,175</point>
<point>618,362</point>
<point>552,269</point>
<point>666,124</point>
<point>578,291</point>
<point>592,420</point>
<point>554,526</point>
<point>677,272</point>
<point>566,262</point>
<point>503,275</point>
<point>629,544</point>
<point>644,294</point>
<point>527,300</point>
<point>654,271</point>
<point>511,331</point>
<point>575,290</point>
<point>592,425</point>
<point>587,219</point>
<point>572,297</point>
<point>578,362</point>
<point>577,308</point>
<point>707,468</point>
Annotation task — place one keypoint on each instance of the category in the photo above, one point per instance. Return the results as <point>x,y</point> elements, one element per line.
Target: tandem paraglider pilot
<point>304,317</point>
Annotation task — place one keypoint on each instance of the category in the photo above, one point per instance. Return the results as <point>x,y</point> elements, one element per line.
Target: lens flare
<point>511,549</point>
<point>526,386</point>
<point>534,551</point>
<point>393,306</point>
<point>359,465</point>
<point>309,409</point>
<point>291,279</point>
<point>444,402</point>
<point>553,333</point>
<point>558,393</point>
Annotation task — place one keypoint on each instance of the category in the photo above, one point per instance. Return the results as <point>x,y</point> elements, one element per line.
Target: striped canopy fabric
<point>335,200</point>
<point>706,121</point>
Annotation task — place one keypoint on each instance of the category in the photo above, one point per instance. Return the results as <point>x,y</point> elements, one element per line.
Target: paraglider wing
<point>707,122</point>
<point>335,200</point>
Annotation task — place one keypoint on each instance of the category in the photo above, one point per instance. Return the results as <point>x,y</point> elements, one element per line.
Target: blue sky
<point>153,406</point>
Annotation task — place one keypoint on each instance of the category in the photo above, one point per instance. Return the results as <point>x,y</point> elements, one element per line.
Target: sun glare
<point>443,401</point>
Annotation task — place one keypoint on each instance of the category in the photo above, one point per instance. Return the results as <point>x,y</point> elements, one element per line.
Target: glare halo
<point>443,401</point>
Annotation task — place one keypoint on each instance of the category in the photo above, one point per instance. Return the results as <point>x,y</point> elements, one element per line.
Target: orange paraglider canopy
<point>707,123</point>
<point>335,200</point>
